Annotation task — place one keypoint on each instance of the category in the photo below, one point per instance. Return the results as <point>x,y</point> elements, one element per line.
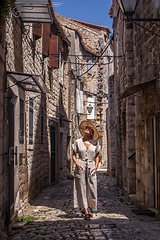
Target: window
<point>79,101</point>
<point>77,44</point>
<point>50,78</point>
<point>30,121</point>
<point>90,66</point>
<point>42,123</point>
<point>62,68</point>
<point>21,127</point>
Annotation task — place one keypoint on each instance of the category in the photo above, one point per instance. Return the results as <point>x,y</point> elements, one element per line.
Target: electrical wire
<point>99,57</point>
<point>96,60</point>
<point>154,23</point>
<point>146,29</point>
<point>89,56</point>
<point>86,64</point>
<point>77,63</point>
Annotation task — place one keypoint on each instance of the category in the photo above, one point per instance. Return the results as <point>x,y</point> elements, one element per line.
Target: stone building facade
<point>34,104</point>
<point>3,159</point>
<point>50,76</point>
<point>110,128</point>
<point>92,66</point>
<point>136,89</point>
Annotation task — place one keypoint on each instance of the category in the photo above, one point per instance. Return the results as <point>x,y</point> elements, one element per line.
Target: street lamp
<point>89,108</point>
<point>128,8</point>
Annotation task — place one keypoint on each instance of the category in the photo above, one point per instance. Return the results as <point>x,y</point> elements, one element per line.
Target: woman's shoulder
<point>94,142</point>
<point>78,140</point>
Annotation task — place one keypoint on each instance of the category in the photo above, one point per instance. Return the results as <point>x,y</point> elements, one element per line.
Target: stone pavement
<point>56,218</point>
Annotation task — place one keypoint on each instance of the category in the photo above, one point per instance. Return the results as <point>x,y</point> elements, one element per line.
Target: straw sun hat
<point>85,124</point>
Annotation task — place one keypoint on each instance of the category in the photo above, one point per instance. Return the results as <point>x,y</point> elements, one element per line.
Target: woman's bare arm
<point>75,161</point>
<point>96,162</point>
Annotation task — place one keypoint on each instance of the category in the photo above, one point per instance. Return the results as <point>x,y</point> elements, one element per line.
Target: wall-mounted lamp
<point>128,8</point>
<point>89,108</point>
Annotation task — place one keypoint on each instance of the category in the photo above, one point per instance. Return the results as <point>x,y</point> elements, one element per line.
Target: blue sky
<point>95,12</point>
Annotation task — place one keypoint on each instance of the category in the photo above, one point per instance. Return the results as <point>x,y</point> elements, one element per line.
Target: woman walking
<point>85,181</point>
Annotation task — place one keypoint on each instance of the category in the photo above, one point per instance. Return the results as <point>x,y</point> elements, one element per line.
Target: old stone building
<point>55,72</point>
<point>90,59</point>
<point>34,103</point>
<point>3,163</point>
<point>110,129</point>
<point>136,89</point>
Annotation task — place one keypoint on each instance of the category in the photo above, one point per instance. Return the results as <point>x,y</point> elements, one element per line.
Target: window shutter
<point>79,102</point>
<point>60,48</point>
<point>53,52</point>
<point>37,29</point>
<point>45,39</point>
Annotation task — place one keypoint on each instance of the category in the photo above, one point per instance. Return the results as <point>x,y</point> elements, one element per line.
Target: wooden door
<point>11,153</point>
<point>53,154</point>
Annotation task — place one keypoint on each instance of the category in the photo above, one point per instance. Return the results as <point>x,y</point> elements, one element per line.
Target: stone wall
<point>124,109</point>
<point>24,54</point>
<point>146,52</point>
<point>3,157</point>
<point>96,84</point>
<point>110,127</point>
<point>137,115</point>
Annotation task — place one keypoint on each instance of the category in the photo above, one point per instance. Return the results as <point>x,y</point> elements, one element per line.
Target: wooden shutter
<point>37,29</point>
<point>53,52</point>
<point>60,48</point>
<point>45,39</point>
<point>79,101</point>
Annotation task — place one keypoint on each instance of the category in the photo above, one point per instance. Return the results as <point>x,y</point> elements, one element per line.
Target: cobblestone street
<point>56,218</point>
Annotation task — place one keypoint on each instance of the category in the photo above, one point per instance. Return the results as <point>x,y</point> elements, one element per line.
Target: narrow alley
<point>55,218</point>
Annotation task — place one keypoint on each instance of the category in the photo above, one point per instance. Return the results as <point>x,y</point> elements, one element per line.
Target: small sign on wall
<point>90,108</point>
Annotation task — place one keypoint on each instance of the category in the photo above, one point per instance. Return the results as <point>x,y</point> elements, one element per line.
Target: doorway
<point>11,152</point>
<point>155,125</point>
<point>61,151</point>
<point>53,154</point>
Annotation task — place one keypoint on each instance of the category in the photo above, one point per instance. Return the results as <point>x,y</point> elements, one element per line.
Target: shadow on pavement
<point>56,218</point>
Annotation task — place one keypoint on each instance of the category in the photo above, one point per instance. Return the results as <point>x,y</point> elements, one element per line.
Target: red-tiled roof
<point>111,11</point>
<point>86,47</point>
<point>94,26</point>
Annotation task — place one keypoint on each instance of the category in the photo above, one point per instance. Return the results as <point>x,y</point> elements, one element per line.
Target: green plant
<point>100,157</point>
<point>5,7</point>
<point>106,174</point>
<point>28,219</point>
